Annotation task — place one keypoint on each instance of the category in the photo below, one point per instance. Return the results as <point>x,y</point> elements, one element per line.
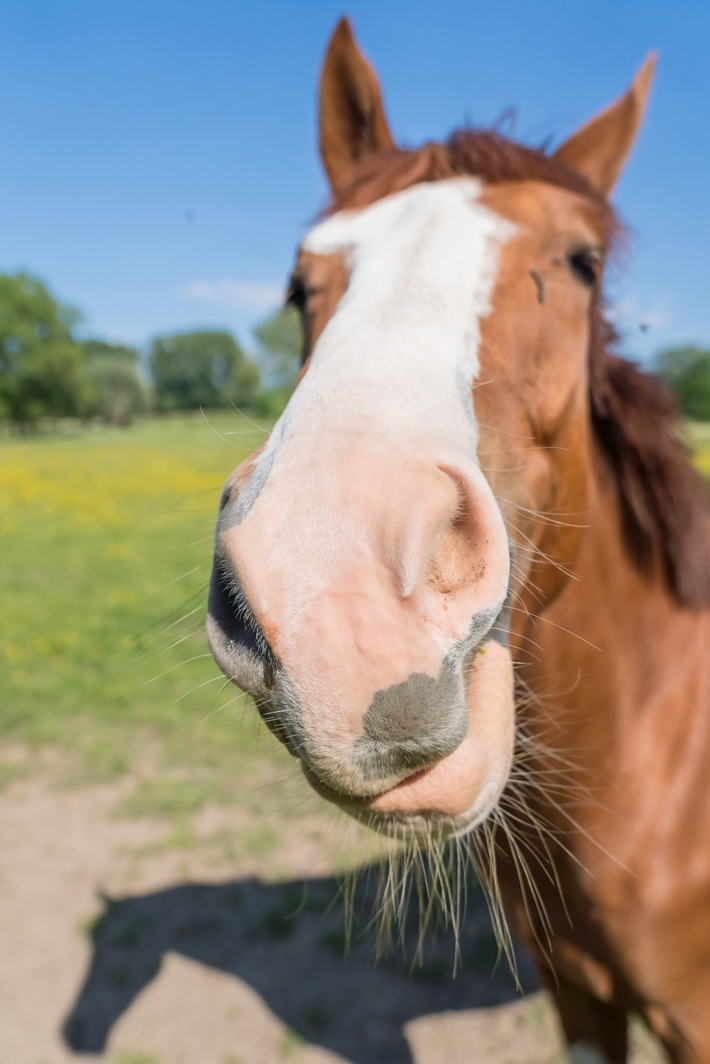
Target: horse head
<point>376,559</point>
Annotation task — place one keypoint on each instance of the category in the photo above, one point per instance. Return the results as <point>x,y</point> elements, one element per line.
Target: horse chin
<point>451,797</point>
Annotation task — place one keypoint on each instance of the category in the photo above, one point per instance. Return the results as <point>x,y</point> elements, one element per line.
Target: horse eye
<point>586,265</point>
<point>297,295</point>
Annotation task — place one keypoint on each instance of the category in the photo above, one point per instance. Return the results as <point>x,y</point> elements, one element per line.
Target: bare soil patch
<point>213,950</point>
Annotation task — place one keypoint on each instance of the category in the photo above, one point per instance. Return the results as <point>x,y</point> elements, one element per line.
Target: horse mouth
<point>453,795</point>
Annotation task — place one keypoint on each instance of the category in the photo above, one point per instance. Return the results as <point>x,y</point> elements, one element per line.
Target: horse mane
<point>663,500</point>
<point>664,503</point>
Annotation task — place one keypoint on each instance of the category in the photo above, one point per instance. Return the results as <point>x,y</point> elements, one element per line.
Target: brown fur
<point>663,500</point>
<point>478,153</point>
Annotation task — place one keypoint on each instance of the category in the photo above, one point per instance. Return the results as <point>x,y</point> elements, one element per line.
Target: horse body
<point>629,717</point>
<point>466,487</point>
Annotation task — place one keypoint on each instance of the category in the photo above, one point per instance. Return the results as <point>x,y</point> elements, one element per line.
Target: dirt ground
<point>122,944</point>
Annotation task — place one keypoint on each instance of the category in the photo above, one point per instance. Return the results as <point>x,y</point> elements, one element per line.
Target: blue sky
<point>159,162</point>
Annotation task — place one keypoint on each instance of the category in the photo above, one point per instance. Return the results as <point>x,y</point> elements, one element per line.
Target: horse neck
<point>614,637</point>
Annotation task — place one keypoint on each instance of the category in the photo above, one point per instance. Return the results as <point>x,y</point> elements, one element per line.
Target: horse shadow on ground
<point>288,941</point>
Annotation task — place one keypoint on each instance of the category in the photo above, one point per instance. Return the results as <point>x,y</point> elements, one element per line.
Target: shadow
<point>288,942</point>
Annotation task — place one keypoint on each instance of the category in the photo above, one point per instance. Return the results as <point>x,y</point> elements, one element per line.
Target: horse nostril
<point>235,636</point>
<point>226,498</point>
<point>458,560</point>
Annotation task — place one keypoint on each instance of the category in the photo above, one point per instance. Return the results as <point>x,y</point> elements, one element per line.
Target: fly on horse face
<point>467,577</point>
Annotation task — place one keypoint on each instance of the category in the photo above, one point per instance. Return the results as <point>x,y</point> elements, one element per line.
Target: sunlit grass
<point>699,435</point>
<point>106,550</point>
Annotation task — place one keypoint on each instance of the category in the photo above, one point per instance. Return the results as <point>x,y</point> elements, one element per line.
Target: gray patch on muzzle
<point>500,627</point>
<point>412,724</point>
<point>286,706</point>
<point>409,708</point>
<point>251,491</point>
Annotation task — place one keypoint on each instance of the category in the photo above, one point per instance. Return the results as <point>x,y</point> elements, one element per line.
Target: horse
<point>467,576</point>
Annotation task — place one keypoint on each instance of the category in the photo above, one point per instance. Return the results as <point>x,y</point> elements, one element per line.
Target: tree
<point>41,364</point>
<point>116,392</point>
<point>280,341</point>
<point>686,371</point>
<point>201,369</point>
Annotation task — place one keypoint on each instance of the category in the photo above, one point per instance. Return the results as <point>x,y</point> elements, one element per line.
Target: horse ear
<point>599,148</point>
<point>351,116</point>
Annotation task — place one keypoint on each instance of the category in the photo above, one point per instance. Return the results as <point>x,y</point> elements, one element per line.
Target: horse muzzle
<point>361,620</point>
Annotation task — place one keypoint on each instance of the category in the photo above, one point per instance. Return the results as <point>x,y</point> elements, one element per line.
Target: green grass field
<point>699,438</point>
<point>106,546</point>
<point>106,552</point>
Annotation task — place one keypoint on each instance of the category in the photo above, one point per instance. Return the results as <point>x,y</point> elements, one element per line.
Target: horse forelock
<point>664,503</point>
<point>485,154</point>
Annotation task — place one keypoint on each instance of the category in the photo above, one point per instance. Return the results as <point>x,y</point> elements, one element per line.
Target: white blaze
<point>396,363</point>
<point>399,357</point>
<point>402,347</point>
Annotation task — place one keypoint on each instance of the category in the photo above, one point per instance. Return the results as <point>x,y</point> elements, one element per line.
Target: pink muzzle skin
<point>368,579</point>
<point>459,791</point>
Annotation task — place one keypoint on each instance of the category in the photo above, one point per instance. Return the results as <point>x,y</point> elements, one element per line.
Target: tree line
<point>48,372</point>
